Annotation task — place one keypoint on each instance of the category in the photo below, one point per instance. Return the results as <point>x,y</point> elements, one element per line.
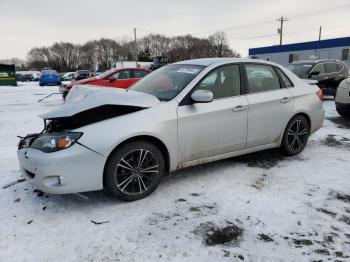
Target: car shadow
<point>263,160</point>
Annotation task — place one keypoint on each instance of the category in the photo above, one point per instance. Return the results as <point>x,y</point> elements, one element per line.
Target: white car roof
<point>223,60</point>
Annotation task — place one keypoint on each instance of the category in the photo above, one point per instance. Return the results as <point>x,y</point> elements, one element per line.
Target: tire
<point>295,136</point>
<point>124,178</point>
<point>41,84</point>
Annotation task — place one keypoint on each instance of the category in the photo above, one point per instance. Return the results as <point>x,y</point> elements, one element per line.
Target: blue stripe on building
<point>329,43</point>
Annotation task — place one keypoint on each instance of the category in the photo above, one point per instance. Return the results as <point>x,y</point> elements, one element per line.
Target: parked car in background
<point>181,115</point>
<point>342,98</point>
<point>328,72</point>
<point>49,77</point>
<point>69,76</point>
<point>81,74</point>
<point>158,62</point>
<point>120,78</point>
<point>36,77</point>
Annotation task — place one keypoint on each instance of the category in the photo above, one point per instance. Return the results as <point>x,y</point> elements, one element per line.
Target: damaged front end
<point>86,105</point>
<point>57,133</point>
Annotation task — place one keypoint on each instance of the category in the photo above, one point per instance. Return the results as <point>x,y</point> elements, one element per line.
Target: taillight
<point>319,93</point>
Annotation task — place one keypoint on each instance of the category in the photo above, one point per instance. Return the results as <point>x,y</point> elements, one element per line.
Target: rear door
<point>270,104</point>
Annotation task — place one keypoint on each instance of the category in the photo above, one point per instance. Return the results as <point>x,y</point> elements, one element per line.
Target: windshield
<point>300,69</point>
<point>104,74</point>
<point>168,81</point>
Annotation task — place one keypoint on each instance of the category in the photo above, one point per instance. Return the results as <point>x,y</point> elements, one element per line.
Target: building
<point>337,48</point>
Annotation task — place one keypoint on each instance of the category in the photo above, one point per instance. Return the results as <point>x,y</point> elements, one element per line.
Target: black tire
<point>41,84</point>
<point>133,184</point>
<point>295,136</point>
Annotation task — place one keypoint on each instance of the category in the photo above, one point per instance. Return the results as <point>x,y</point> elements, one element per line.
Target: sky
<point>247,23</point>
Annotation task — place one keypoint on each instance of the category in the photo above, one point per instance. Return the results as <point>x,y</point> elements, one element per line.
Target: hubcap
<point>297,135</point>
<point>136,172</point>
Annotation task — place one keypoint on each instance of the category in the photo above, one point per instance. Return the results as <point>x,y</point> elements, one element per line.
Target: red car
<point>120,78</point>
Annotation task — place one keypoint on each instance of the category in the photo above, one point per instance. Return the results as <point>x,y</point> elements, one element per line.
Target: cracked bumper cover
<point>75,169</point>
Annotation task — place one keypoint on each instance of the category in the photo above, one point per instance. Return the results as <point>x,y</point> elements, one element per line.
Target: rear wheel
<point>134,170</point>
<point>295,136</point>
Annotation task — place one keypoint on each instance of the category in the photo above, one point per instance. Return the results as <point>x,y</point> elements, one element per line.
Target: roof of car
<point>209,61</point>
<point>315,61</point>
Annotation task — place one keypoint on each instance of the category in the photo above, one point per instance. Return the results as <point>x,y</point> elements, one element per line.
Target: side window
<point>261,78</point>
<point>340,67</point>
<point>125,74</point>
<point>139,73</point>
<point>223,82</point>
<point>331,68</point>
<point>345,54</point>
<point>285,79</point>
<point>319,68</point>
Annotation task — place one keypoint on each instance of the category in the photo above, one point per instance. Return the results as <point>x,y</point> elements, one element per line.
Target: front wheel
<point>295,136</point>
<point>134,170</point>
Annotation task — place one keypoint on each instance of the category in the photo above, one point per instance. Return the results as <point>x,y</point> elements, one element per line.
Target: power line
<point>318,12</point>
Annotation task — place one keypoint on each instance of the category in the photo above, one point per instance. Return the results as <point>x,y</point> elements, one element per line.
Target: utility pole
<point>135,48</point>
<point>320,33</point>
<point>280,30</point>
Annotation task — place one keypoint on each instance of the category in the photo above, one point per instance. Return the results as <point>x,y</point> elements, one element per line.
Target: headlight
<point>57,141</point>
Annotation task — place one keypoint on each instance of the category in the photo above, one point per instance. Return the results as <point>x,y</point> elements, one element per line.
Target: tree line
<point>65,57</point>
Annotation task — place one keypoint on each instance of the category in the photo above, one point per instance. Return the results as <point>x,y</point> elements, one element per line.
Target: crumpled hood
<point>82,98</point>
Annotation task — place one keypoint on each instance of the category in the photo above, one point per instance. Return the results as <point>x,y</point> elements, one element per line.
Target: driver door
<point>217,127</point>
<point>122,79</point>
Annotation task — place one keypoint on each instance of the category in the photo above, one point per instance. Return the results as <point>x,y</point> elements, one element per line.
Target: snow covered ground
<point>259,207</point>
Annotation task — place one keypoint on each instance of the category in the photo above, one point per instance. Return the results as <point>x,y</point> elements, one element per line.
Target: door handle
<point>285,100</point>
<point>239,108</point>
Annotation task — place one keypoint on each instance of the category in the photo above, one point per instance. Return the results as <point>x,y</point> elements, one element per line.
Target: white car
<point>69,76</point>
<point>181,115</point>
<point>342,98</point>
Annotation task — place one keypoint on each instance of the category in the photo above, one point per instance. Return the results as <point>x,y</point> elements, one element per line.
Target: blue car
<point>49,77</point>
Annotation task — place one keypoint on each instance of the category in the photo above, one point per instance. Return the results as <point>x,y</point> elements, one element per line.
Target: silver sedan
<point>181,115</point>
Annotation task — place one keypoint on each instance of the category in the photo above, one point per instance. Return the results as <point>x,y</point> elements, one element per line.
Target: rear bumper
<point>72,170</point>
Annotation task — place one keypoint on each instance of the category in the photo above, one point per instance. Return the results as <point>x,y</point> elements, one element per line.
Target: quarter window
<point>319,68</point>
<point>223,82</point>
<point>285,79</point>
<point>340,67</point>
<point>261,78</point>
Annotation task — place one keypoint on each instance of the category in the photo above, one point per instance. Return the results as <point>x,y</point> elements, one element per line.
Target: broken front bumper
<point>75,169</point>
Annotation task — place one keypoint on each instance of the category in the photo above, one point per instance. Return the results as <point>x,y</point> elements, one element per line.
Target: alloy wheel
<point>297,135</point>
<point>136,172</point>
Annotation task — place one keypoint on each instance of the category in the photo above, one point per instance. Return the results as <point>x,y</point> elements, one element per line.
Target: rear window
<point>49,72</point>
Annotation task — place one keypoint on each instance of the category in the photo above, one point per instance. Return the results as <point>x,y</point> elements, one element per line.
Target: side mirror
<point>111,79</point>
<point>202,96</point>
<point>314,73</point>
